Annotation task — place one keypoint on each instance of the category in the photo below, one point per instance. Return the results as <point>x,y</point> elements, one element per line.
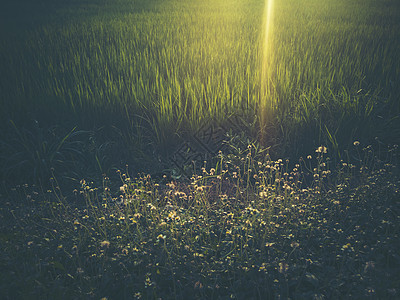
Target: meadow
<point>98,98</point>
<point>146,73</point>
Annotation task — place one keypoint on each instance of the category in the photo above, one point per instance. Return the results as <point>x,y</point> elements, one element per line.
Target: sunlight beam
<point>266,68</point>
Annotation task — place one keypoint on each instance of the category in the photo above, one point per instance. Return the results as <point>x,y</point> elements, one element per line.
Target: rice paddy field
<point>185,149</point>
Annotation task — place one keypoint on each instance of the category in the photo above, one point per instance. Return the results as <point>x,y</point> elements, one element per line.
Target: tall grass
<point>164,68</point>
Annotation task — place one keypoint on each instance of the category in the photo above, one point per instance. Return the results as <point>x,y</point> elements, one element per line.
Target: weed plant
<point>246,228</point>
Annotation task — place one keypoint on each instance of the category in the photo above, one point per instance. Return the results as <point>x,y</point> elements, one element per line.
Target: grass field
<point>87,87</point>
<point>156,70</point>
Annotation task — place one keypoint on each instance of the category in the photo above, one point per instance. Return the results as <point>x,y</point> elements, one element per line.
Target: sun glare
<point>266,62</point>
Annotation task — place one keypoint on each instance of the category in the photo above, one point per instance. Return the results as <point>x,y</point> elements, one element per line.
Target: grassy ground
<point>87,87</point>
<point>250,228</point>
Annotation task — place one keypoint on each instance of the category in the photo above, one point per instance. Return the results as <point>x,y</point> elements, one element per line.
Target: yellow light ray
<point>266,61</point>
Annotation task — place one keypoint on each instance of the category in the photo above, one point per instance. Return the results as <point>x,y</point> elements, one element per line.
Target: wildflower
<point>321,149</point>
<point>161,237</point>
<point>148,282</point>
<point>356,143</point>
<point>370,290</point>
<point>105,244</point>
<point>172,214</point>
<point>151,206</point>
<point>283,267</point>
<point>347,246</point>
<point>309,157</point>
<point>263,267</point>
<point>294,244</point>
<point>223,197</point>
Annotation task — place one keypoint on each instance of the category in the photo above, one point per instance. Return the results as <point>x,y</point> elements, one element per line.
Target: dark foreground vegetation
<point>247,228</point>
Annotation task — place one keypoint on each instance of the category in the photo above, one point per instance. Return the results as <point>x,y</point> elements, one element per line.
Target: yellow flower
<point>161,237</point>
<point>172,214</point>
<point>321,149</point>
<point>105,244</point>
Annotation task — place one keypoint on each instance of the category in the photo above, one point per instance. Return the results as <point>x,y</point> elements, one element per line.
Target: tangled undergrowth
<point>246,228</point>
